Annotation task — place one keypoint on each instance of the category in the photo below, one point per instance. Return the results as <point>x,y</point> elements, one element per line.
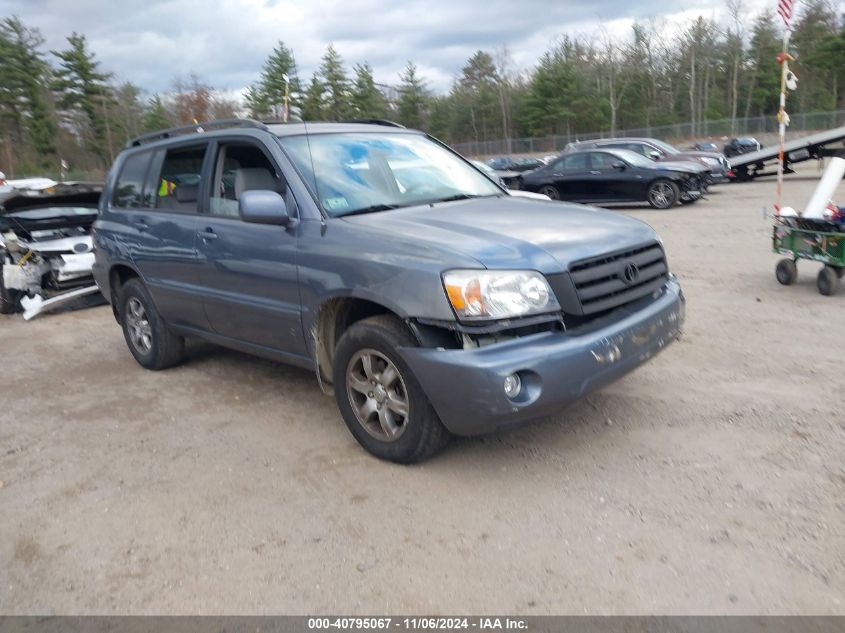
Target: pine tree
<point>24,106</point>
<point>313,108</point>
<point>156,117</point>
<point>84,96</point>
<point>367,100</point>
<point>270,91</point>
<point>256,102</point>
<point>336,98</point>
<point>414,98</point>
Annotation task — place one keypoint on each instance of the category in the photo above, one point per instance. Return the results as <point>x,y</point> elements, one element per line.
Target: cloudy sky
<point>149,42</point>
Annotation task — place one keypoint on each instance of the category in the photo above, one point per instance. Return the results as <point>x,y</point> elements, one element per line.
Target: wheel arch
<point>119,274</point>
<point>335,315</point>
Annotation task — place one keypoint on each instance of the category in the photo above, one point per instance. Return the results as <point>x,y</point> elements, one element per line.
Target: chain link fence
<point>684,133</point>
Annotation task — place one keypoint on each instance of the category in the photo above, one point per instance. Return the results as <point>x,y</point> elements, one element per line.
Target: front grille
<point>606,282</point>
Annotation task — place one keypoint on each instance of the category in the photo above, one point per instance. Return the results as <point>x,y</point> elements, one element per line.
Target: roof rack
<point>376,122</point>
<point>205,126</point>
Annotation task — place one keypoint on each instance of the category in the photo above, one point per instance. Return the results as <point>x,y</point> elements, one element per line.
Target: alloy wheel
<point>378,395</point>
<point>138,325</point>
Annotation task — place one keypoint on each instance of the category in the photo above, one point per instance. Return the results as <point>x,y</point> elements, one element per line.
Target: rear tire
<point>551,191</point>
<point>827,281</point>
<point>391,418</point>
<point>663,194</point>
<point>149,340</point>
<point>786,272</point>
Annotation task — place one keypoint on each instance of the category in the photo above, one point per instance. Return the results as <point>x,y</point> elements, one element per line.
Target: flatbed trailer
<point>813,147</point>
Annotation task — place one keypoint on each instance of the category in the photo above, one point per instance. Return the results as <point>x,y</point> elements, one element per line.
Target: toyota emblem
<point>631,273</point>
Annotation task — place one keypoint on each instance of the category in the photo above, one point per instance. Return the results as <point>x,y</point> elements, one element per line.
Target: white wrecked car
<point>46,250</point>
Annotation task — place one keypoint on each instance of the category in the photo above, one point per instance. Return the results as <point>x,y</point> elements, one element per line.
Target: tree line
<point>61,105</point>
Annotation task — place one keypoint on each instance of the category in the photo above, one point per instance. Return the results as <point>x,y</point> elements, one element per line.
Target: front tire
<point>551,191</point>
<point>149,340</point>
<point>786,272</point>
<point>663,194</point>
<point>380,400</point>
<point>827,281</point>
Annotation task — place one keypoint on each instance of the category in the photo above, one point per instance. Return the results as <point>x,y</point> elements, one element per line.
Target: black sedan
<point>742,145</point>
<point>617,175</point>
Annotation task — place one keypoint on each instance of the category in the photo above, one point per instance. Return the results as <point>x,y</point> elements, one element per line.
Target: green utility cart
<point>800,238</point>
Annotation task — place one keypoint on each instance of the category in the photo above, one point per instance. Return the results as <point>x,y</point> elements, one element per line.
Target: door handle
<point>595,172</point>
<point>140,224</point>
<point>207,235</point>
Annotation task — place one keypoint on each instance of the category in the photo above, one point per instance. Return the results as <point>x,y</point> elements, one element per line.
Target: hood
<point>59,194</point>
<point>511,232</point>
<point>697,154</point>
<point>684,166</point>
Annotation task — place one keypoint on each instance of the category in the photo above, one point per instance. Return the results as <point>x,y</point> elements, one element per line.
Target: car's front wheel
<point>550,191</point>
<point>149,340</point>
<point>663,194</point>
<point>379,398</point>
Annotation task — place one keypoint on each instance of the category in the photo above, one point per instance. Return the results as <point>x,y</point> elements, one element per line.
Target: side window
<point>575,162</point>
<point>178,183</point>
<point>241,167</point>
<point>130,183</point>
<point>602,161</point>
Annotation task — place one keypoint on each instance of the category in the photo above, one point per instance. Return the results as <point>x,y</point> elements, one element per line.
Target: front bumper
<point>465,386</point>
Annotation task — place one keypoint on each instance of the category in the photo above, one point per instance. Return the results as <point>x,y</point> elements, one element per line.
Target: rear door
<point>249,274</point>
<point>156,196</point>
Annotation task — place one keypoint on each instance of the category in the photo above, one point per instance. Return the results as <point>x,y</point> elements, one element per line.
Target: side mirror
<point>654,155</point>
<point>619,165</point>
<point>263,207</point>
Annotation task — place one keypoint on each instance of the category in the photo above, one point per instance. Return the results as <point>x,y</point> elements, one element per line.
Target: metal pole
<point>783,58</point>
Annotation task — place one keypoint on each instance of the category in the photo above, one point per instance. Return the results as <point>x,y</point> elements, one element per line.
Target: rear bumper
<point>556,368</point>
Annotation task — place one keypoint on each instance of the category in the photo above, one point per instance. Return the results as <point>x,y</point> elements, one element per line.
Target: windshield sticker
<point>334,204</point>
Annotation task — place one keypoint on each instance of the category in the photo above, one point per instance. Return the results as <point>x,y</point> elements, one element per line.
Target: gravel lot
<point>711,480</point>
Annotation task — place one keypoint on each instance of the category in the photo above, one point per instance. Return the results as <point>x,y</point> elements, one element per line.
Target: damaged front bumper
<point>43,274</point>
<point>466,386</point>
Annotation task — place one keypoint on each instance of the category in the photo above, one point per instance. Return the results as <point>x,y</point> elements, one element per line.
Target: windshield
<point>665,147</point>
<point>632,158</point>
<point>363,172</point>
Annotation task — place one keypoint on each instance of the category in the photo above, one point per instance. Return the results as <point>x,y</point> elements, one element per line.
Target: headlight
<point>498,294</point>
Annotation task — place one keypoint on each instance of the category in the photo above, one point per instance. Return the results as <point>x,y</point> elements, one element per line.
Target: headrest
<point>186,193</point>
<point>252,179</point>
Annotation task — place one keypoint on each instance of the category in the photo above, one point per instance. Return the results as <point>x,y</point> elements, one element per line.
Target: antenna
<point>314,172</point>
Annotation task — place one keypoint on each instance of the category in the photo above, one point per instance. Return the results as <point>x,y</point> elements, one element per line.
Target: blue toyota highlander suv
<point>430,300</point>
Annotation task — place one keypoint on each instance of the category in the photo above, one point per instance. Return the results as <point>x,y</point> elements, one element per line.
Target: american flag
<point>785,10</point>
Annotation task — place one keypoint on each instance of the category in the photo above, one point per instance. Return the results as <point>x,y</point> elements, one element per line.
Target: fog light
<point>513,385</point>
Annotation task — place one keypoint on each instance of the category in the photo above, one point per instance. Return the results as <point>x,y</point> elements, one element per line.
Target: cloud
<point>150,42</point>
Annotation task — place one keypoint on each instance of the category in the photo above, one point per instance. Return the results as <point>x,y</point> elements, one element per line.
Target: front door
<point>248,271</point>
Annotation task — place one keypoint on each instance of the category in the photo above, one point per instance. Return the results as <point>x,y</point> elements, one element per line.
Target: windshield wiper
<point>371,209</point>
<point>465,196</point>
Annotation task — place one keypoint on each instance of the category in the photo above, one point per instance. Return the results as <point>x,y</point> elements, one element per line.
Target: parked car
<point>495,177</point>
<point>716,163</point>
<point>742,145</point>
<point>507,163</point>
<point>706,147</point>
<point>617,175</point>
<point>45,244</point>
<point>426,297</point>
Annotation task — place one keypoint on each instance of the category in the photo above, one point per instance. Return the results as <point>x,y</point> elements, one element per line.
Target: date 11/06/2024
<point>418,623</point>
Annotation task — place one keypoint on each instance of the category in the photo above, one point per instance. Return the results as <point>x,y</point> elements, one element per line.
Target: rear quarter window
<point>128,190</point>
